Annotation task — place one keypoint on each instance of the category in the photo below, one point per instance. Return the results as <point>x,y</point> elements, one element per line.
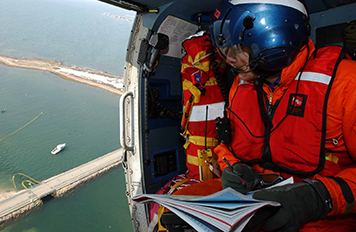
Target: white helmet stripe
<point>290,3</point>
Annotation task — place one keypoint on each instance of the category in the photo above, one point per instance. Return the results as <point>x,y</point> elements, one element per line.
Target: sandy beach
<point>94,78</point>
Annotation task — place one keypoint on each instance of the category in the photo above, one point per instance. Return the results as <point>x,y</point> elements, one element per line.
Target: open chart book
<point>226,210</point>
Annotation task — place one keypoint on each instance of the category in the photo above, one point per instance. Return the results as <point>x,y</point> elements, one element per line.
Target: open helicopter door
<point>150,110</point>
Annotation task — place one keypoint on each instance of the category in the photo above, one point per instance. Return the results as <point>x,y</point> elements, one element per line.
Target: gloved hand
<point>242,178</point>
<point>300,203</point>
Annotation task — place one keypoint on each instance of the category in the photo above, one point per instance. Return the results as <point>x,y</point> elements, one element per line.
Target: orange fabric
<point>331,224</point>
<point>341,126</point>
<point>289,73</point>
<point>339,203</point>
<point>223,151</point>
<point>198,59</point>
<point>287,77</point>
<point>201,189</point>
<point>288,152</point>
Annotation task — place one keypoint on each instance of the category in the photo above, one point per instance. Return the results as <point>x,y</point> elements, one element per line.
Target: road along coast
<point>99,79</point>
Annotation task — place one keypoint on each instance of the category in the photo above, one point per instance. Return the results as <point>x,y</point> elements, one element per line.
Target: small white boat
<point>59,148</point>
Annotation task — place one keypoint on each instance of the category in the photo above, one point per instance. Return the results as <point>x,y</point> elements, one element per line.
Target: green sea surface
<point>84,117</point>
<point>76,33</point>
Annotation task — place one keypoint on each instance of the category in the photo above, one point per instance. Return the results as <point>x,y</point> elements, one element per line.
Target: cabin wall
<point>336,16</point>
<point>183,9</point>
<point>163,153</point>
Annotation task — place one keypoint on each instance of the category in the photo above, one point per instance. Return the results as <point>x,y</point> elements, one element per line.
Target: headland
<point>99,79</point>
<point>128,19</point>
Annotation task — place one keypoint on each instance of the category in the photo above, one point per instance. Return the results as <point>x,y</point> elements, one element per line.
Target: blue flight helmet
<point>272,30</point>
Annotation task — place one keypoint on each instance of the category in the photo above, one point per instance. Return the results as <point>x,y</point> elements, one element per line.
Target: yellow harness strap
<point>161,208</point>
<point>160,212</point>
<point>193,160</point>
<point>188,85</point>
<point>179,183</point>
<point>200,141</point>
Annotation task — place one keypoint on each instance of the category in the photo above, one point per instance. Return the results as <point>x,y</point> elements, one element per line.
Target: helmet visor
<point>237,57</point>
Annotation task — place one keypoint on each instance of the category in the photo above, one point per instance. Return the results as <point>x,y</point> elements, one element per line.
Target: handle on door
<point>122,116</point>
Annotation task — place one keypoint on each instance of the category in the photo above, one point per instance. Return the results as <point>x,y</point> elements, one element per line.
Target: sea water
<point>86,118</point>
<point>72,31</point>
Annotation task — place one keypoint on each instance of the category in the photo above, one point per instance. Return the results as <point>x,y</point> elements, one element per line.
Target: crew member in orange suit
<point>292,113</point>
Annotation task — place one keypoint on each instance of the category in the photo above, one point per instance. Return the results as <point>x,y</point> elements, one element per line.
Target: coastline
<point>99,79</point>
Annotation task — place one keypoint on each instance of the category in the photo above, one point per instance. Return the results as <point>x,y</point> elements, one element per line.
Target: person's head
<point>263,36</point>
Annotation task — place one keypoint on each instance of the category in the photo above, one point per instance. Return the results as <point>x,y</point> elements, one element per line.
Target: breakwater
<point>22,211</point>
<point>29,199</point>
<point>72,186</point>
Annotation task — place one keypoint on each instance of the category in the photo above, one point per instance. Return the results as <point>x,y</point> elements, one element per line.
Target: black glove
<point>300,203</point>
<point>242,178</point>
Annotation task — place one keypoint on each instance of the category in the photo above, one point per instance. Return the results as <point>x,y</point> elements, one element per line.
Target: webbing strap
<point>193,160</point>
<point>196,94</point>
<point>346,192</point>
<point>160,212</point>
<point>161,209</point>
<point>200,141</point>
<point>176,185</point>
<point>188,85</point>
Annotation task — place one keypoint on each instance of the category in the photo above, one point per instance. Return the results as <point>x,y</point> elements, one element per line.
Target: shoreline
<point>99,79</point>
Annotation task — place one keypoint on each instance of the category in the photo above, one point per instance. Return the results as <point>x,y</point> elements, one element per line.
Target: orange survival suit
<point>337,171</point>
<point>202,99</point>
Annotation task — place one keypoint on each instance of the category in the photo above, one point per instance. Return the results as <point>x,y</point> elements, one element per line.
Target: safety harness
<point>203,101</point>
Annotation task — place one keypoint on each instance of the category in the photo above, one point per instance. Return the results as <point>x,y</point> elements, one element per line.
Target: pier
<point>27,199</point>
